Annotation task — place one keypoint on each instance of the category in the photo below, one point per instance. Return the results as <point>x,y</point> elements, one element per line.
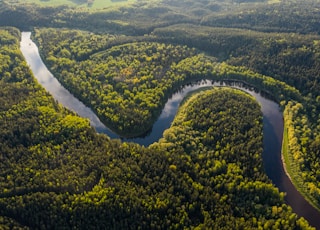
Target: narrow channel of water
<point>272,124</point>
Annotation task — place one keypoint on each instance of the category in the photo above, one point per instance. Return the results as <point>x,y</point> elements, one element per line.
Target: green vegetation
<point>142,17</point>
<point>291,58</point>
<point>90,4</point>
<point>296,135</point>
<point>128,84</point>
<point>56,172</point>
<point>125,61</point>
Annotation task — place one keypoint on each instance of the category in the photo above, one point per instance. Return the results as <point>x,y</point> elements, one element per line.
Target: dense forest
<point>65,175</point>
<point>135,76</point>
<point>125,62</point>
<point>58,173</point>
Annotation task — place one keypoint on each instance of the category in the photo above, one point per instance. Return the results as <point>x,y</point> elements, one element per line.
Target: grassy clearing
<point>97,4</point>
<point>292,170</point>
<point>274,1</point>
<point>100,4</point>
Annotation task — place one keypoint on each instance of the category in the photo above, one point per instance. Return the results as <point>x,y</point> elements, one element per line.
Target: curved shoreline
<point>287,169</point>
<point>273,163</point>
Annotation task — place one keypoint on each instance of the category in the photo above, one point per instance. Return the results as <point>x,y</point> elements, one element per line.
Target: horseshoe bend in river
<point>272,124</point>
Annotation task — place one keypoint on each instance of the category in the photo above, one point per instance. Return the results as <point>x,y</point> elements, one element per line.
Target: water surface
<point>272,124</point>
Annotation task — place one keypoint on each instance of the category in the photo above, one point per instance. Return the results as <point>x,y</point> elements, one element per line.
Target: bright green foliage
<point>120,72</point>
<point>291,58</point>
<point>292,61</point>
<point>208,126</point>
<point>301,152</point>
<point>126,85</point>
<point>56,172</point>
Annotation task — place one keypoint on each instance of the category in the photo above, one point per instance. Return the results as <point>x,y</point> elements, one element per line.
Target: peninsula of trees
<point>125,62</point>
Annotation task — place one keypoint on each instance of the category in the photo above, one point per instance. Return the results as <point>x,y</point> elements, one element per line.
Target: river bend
<point>272,124</point>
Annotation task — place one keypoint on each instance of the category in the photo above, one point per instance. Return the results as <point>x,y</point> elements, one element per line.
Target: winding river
<point>272,124</point>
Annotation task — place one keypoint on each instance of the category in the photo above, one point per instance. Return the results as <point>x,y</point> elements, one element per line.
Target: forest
<point>125,62</point>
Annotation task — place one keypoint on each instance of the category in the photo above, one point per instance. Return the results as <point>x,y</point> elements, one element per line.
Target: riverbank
<point>291,169</point>
<point>273,123</point>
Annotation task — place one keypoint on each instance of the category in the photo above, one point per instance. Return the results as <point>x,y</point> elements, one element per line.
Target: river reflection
<point>51,84</point>
<point>272,123</point>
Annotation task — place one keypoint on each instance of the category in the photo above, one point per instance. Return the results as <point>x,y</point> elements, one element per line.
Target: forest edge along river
<point>272,124</point>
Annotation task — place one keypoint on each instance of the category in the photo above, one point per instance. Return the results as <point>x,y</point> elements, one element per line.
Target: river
<point>272,124</point>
